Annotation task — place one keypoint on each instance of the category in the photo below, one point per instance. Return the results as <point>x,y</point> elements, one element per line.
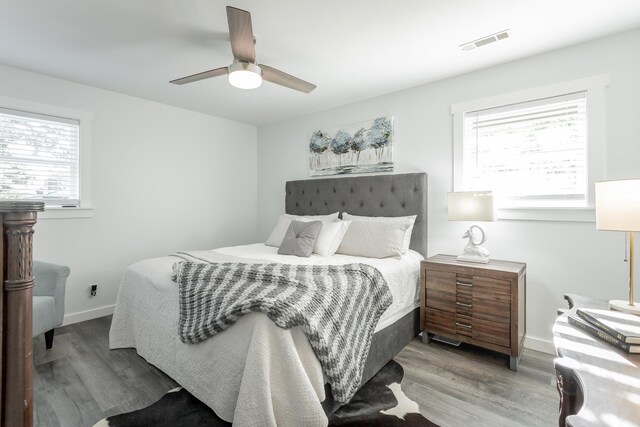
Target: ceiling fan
<point>244,73</point>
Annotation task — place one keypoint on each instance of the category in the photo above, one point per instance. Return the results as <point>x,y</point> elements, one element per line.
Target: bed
<point>256,373</point>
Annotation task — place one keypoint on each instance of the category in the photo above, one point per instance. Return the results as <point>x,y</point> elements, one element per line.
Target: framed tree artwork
<point>358,148</point>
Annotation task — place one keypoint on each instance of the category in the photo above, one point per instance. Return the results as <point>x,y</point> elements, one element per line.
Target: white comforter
<point>254,373</point>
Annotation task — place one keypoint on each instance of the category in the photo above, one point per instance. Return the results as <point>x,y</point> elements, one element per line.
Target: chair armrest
<point>49,278</point>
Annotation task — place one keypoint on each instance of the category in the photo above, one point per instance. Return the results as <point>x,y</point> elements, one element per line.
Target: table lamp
<point>618,209</point>
<point>472,206</point>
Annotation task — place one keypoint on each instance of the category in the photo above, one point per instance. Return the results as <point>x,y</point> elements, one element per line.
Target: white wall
<point>561,257</point>
<point>163,179</point>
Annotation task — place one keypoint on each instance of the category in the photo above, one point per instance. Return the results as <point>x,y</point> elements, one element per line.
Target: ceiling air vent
<point>485,40</point>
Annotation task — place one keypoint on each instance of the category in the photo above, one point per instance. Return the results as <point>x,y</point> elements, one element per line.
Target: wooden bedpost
<point>17,219</point>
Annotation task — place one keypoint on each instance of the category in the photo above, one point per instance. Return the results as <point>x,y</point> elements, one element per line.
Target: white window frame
<point>85,208</point>
<point>596,114</point>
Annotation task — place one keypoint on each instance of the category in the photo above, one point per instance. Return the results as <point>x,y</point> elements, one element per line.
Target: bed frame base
<point>385,345</point>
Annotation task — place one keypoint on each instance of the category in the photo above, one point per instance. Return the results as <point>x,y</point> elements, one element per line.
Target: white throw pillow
<point>330,237</point>
<point>377,237</point>
<point>276,236</point>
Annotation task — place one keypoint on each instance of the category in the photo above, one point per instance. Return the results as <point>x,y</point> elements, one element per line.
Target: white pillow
<point>275,239</point>
<point>411,220</point>
<point>377,237</point>
<point>330,237</point>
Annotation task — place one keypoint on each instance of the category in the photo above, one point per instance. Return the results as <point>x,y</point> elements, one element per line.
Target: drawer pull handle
<point>464,305</point>
<point>469,285</point>
<point>462,325</point>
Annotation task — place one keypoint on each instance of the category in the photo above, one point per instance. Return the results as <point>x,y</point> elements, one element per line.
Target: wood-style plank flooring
<point>80,381</point>
<point>468,386</point>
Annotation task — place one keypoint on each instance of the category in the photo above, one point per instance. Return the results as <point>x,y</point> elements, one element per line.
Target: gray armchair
<point>48,299</point>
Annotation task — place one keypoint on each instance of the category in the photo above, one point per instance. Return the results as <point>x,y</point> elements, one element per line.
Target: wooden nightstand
<point>479,304</point>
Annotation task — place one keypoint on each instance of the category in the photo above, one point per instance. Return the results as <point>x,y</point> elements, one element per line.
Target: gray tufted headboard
<point>377,195</point>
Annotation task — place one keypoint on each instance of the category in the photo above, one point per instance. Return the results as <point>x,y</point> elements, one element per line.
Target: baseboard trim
<point>539,345</point>
<point>94,313</point>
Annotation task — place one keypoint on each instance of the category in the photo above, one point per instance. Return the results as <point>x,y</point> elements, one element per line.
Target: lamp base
<point>620,305</point>
<point>474,252</point>
<point>472,258</point>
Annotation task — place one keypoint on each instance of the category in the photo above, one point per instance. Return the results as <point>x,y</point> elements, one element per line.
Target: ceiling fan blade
<point>241,34</point>
<point>201,76</point>
<point>281,78</point>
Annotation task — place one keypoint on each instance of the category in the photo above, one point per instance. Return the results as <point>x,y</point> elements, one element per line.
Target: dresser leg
<point>425,337</point>
<point>513,363</point>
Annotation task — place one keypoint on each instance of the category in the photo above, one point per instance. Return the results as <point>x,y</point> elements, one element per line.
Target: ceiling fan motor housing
<point>245,75</point>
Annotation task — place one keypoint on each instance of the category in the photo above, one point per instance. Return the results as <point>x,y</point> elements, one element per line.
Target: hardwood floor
<point>467,386</point>
<point>80,381</point>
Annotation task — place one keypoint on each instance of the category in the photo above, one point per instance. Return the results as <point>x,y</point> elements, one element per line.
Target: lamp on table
<point>472,206</point>
<point>618,209</point>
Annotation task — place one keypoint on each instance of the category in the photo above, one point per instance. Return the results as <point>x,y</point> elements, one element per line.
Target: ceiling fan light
<point>245,75</point>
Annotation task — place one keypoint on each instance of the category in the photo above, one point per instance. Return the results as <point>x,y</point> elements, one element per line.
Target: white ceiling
<point>351,49</point>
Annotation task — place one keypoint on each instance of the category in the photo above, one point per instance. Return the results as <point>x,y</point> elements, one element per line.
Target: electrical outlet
<point>94,289</point>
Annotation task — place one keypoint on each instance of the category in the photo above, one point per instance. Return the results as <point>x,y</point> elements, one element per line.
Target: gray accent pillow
<point>300,238</point>
<point>276,236</point>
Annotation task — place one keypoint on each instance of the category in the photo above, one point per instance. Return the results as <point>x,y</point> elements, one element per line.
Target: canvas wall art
<point>359,148</point>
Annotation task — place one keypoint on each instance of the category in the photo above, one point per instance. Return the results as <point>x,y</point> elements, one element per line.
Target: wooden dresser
<point>479,304</point>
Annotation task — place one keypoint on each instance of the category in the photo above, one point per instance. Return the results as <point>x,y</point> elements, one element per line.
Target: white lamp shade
<point>471,206</point>
<point>618,205</point>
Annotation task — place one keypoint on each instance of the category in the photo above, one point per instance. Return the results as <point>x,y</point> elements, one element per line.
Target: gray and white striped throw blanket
<point>337,307</point>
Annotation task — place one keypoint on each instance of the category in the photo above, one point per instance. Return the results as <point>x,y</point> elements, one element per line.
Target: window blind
<point>531,153</point>
<point>39,158</point>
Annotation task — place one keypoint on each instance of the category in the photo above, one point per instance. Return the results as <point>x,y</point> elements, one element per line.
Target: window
<point>39,158</point>
<point>45,154</point>
<point>531,153</point>
<point>539,150</point>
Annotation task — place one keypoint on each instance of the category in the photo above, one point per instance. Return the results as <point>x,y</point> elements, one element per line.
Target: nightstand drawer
<point>441,322</point>
<point>494,310</point>
<point>441,300</point>
<point>441,281</point>
<point>464,325</point>
<point>491,332</point>
<point>485,287</point>
<point>441,290</point>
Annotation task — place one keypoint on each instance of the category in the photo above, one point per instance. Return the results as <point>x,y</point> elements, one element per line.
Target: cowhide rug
<point>380,402</point>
